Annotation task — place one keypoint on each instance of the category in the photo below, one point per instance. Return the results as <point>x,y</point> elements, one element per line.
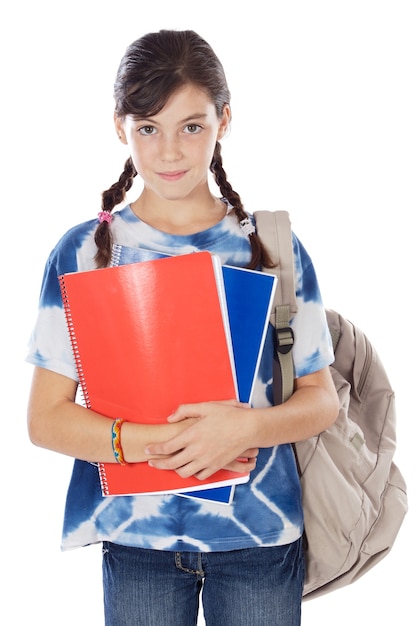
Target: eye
<point>147,130</point>
<point>192,129</point>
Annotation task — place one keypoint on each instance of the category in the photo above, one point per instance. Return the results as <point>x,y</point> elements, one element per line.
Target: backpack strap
<point>274,229</point>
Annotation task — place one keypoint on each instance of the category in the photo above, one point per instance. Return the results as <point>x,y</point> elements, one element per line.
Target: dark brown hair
<point>152,69</point>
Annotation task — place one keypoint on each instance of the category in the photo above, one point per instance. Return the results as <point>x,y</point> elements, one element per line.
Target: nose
<point>170,149</point>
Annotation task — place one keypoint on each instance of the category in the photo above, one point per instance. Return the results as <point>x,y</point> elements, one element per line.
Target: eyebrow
<point>194,116</point>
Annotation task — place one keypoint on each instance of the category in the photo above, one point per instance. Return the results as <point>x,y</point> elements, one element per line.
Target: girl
<point>172,108</point>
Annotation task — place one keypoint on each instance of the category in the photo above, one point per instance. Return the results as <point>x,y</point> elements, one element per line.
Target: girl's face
<point>172,151</point>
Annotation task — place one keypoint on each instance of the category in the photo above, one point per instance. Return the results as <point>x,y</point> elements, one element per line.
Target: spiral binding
<point>74,345</point>
<point>103,479</point>
<point>115,255</point>
<point>78,364</point>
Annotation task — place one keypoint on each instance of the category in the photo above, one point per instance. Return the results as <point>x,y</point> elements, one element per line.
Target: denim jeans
<point>251,587</point>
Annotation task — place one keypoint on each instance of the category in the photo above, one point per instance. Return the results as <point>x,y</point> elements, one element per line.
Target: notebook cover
<point>249,296</point>
<point>146,338</point>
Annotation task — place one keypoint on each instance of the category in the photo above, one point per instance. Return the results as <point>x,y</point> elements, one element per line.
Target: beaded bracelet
<point>116,441</point>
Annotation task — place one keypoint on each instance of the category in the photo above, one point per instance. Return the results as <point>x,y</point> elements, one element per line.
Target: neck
<point>181,217</point>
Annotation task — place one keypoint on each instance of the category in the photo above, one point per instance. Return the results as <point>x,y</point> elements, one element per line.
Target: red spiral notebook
<point>147,337</point>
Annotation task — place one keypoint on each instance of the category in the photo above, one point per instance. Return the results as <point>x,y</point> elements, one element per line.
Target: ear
<point>224,121</point>
<point>119,124</point>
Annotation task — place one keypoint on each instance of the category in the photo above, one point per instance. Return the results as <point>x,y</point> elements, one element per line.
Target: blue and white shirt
<point>265,511</point>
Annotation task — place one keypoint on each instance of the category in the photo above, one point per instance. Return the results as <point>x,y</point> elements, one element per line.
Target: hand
<point>219,439</point>
<point>248,457</point>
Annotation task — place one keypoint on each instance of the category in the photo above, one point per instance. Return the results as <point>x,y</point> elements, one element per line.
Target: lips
<point>172,176</point>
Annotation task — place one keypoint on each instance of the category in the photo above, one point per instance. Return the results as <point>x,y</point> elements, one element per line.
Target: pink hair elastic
<point>247,227</point>
<point>105,216</point>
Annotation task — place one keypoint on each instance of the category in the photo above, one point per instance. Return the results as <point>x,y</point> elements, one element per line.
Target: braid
<point>111,198</point>
<point>259,255</point>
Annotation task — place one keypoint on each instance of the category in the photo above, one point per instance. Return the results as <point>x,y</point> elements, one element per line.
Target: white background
<point>323,98</point>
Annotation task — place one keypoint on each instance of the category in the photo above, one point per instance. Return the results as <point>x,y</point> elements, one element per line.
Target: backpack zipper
<point>366,366</point>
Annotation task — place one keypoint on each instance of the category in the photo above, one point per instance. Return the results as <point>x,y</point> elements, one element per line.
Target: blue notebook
<point>249,296</point>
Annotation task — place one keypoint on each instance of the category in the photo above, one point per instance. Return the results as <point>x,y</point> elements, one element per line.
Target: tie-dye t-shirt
<point>265,511</point>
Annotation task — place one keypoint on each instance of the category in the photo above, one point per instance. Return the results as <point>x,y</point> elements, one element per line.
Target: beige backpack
<point>354,496</point>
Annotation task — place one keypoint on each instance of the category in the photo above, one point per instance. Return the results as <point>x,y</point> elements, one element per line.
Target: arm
<point>56,422</point>
<point>223,431</point>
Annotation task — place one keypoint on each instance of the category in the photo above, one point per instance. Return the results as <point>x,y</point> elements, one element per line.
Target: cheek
<point>140,157</point>
<point>207,150</point>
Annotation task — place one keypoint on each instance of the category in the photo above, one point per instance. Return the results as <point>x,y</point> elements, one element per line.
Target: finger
<point>163,449</point>
<point>250,452</point>
<point>235,466</point>
<point>155,457</point>
<point>242,467</point>
<point>185,411</point>
<point>237,403</point>
<point>180,462</point>
<point>181,414</point>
